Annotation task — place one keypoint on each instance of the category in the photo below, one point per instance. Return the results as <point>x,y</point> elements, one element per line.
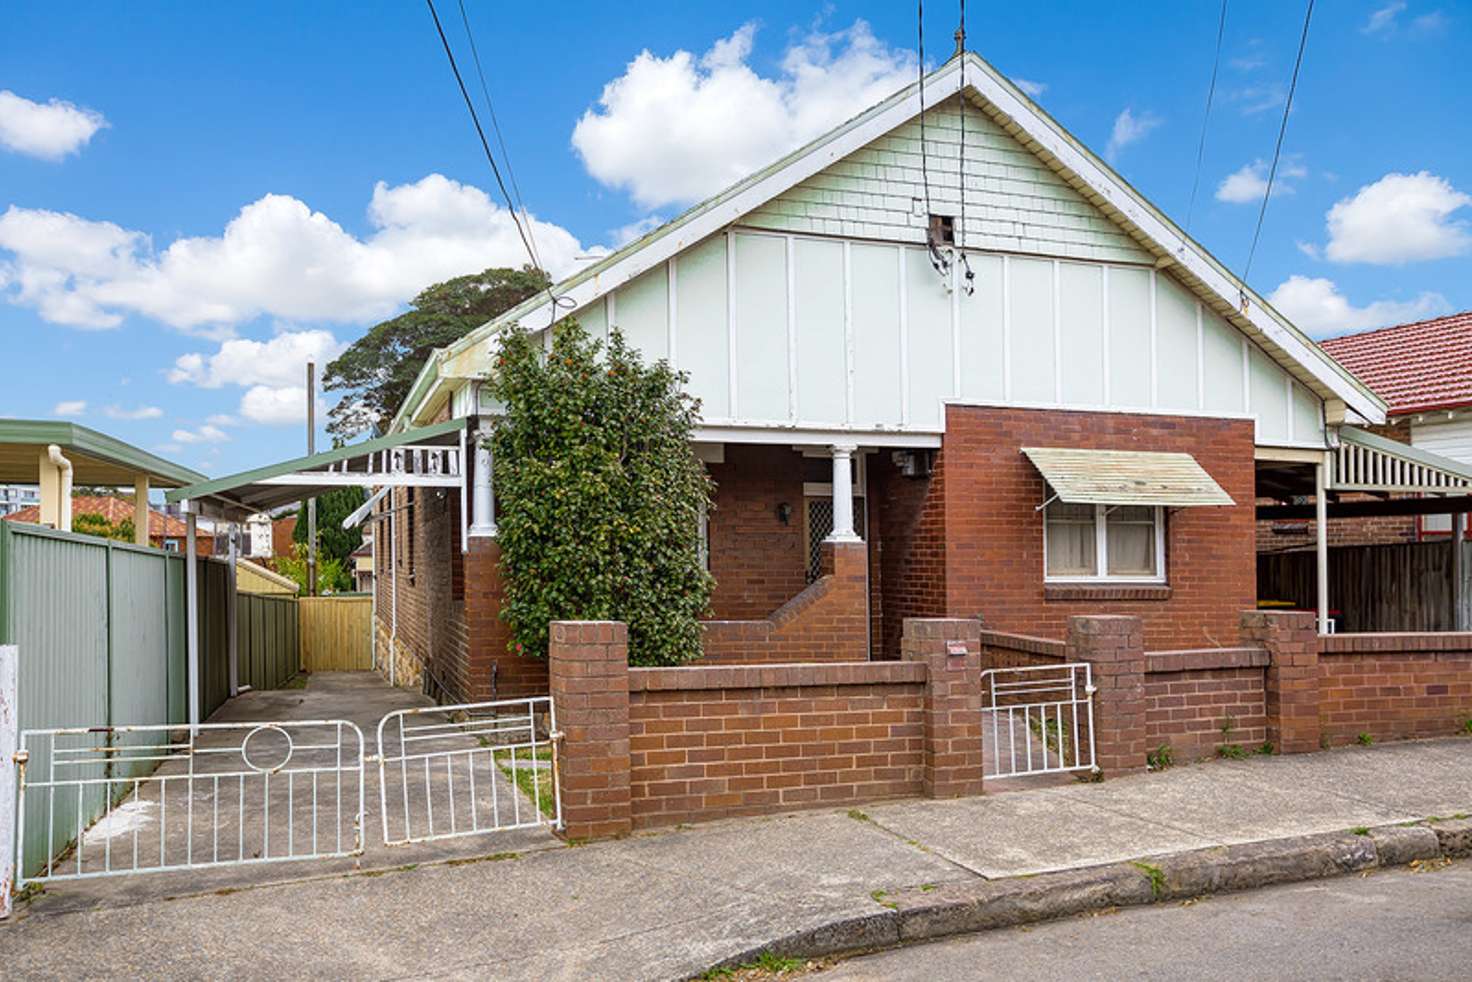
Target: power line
<point>1278,148</point>
<point>486,146</point>
<point>1221,26</point>
<point>500,140</point>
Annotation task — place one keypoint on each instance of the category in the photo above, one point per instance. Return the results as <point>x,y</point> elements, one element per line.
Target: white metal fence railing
<point>448,771</point>
<point>169,798</point>
<point>1037,720</point>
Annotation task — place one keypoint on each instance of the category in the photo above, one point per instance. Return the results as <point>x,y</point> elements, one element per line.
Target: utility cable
<point>1221,26</point>
<point>1278,149</point>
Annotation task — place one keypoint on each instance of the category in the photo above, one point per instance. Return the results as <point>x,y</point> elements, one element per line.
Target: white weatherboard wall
<point>842,334</point>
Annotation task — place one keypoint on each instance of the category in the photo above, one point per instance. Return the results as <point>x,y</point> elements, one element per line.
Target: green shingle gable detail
<point>1014,201</point>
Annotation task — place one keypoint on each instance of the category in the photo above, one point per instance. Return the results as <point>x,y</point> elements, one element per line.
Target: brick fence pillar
<point>1292,683</point>
<point>951,651</point>
<point>588,670</point>
<point>1114,647</point>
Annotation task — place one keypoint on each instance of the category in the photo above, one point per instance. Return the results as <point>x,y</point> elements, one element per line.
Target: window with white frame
<point>1088,542</point>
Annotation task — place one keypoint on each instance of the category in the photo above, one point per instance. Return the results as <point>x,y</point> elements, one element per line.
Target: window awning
<point>1126,477</point>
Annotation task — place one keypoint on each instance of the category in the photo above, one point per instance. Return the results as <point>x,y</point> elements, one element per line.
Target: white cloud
<point>70,407</point>
<point>1432,23</point>
<point>1031,89</point>
<point>277,257</point>
<point>1398,219</point>
<point>676,129</point>
<point>275,405</point>
<point>1382,21</point>
<point>222,419</point>
<point>205,434</point>
<point>1249,182</point>
<point>141,412</point>
<point>49,131</point>
<point>1316,306</point>
<point>281,361</point>
<point>1129,128</point>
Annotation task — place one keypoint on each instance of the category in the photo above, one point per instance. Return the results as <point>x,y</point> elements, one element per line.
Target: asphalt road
<point>1390,925</point>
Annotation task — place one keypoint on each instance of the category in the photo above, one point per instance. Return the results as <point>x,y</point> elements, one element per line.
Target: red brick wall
<point>827,621</point>
<point>993,535</point>
<point>1197,701</point>
<point>449,610</point>
<point>758,562</point>
<point>1000,650</point>
<point>911,549</point>
<point>714,742</point>
<point>1394,686</point>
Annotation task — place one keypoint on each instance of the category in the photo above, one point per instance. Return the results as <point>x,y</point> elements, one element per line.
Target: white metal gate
<point>446,771</point>
<point>1037,720</point>
<point>109,800</point>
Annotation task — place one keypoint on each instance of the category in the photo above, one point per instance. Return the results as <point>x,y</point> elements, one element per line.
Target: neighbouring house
<point>283,530</point>
<point>14,497</point>
<point>950,365</point>
<point>53,456</point>
<point>165,531</point>
<point>257,540</point>
<point>362,565</point>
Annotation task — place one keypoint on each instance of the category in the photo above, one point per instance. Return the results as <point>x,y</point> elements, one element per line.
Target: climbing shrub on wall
<point>599,494</point>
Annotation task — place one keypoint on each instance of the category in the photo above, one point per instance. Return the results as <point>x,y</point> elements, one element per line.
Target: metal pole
<point>191,612</point>
<point>12,770</point>
<point>231,640</point>
<point>393,575</point>
<point>1321,543</point>
<point>311,502</point>
<point>1459,572</point>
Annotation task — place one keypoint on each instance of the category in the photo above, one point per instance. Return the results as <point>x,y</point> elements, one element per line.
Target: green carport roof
<point>429,456</point>
<point>96,457</point>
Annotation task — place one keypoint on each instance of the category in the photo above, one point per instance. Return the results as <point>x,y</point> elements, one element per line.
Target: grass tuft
<point>1156,876</point>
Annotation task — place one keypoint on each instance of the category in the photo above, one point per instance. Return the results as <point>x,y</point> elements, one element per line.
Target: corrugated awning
<point>1126,477</point>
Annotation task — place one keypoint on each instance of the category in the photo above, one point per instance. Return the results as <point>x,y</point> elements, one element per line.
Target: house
<point>1423,371</point>
<point>950,365</point>
<point>165,531</point>
<point>53,455</point>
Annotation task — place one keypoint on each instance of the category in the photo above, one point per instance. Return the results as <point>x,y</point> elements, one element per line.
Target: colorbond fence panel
<point>268,641</point>
<point>101,629</point>
<point>334,633</point>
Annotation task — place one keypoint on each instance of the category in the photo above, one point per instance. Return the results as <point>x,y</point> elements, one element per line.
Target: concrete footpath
<point>673,903</point>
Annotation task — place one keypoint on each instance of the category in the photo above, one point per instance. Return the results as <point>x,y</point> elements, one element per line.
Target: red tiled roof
<point>1413,367</point>
<point>115,510</point>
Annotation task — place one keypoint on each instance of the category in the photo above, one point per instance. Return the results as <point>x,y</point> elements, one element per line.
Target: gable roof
<point>115,510</point>
<point>1414,367</point>
<point>990,91</point>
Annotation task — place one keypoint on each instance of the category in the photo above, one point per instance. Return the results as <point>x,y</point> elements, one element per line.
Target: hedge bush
<point>599,494</point>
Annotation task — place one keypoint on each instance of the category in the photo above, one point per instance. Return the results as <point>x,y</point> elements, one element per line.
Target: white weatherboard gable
<point>1036,332</point>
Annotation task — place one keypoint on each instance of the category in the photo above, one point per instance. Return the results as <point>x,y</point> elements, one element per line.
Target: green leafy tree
<point>332,575</point>
<point>600,495</point>
<point>333,541</point>
<point>377,370</point>
<point>90,523</point>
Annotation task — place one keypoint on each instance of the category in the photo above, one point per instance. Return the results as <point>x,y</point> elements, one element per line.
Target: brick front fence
<point>645,747</point>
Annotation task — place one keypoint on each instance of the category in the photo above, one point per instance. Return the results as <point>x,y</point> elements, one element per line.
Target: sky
<point>196,199</point>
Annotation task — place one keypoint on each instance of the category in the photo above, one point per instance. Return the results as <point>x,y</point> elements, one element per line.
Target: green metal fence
<point>101,629</point>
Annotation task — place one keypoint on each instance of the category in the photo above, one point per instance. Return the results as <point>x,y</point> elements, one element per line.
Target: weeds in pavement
<point>1232,751</point>
<point>1467,726</point>
<point>1364,739</point>
<point>765,966</point>
<point>1160,758</point>
<point>1156,876</point>
<point>1360,830</point>
<point>858,815</point>
<point>297,681</point>
<point>1267,748</point>
<point>878,897</point>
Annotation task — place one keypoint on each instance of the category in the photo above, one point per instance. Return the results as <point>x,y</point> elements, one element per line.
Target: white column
<point>191,613</point>
<point>843,494</point>
<point>1459,572</point>
<point>232,602</point>
<point>1321,542</point>
<point>483,492</point>
<point>140,509</point>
